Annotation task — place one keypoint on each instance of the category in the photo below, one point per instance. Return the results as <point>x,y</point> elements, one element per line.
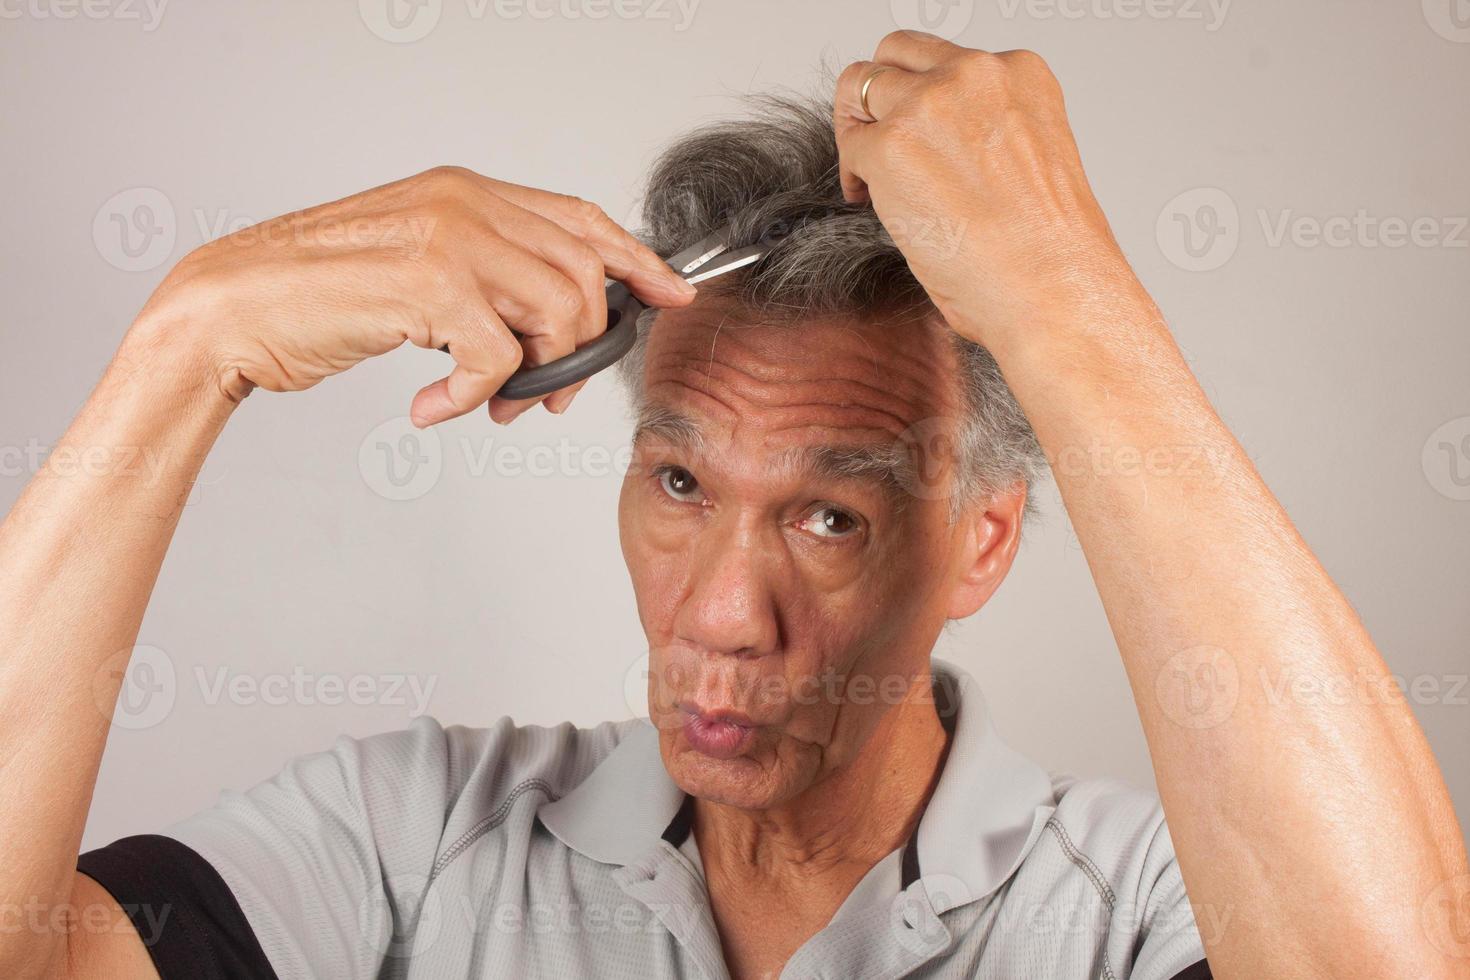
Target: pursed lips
<point>716,732</point>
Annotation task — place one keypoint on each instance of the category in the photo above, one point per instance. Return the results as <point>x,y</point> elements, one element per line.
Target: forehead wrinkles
<point>826,378</point>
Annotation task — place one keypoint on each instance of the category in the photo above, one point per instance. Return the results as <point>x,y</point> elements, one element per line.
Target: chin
<point>741,782</point>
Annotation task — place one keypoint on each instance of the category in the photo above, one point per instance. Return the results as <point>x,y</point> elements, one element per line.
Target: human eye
<point>678,483</point>
<point>831,521</point>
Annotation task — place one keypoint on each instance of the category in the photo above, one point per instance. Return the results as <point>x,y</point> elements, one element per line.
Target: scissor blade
<point>688,268</point>
<point>728,262</point>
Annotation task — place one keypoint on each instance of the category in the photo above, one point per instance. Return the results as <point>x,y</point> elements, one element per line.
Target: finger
<point>857,130</point>
<point>858,151</point>
<point>559,401</point>
<point>581,263</point>
<point>543,306</point>
<point>531,295</point>
<point>915,50</point>
<point>887,87</point>
<point>485,353</point>
<point>524,295</point>
<point>624,256</point>
<point>539,350</point>
<point>574,259</point>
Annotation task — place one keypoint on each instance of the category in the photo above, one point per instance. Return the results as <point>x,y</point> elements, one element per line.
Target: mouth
<point>717,734</point>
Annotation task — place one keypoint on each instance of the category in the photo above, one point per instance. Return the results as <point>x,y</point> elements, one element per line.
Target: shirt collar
<point>986,812</point>
<point>623,806</point>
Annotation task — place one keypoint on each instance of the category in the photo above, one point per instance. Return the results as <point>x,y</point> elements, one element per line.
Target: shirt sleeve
<point>185,914</point>
<point>317,872</point>
<point>1116,836</point>
<point>1170,947</point>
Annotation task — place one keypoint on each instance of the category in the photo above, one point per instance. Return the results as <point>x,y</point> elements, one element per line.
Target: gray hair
<point>773,177</point>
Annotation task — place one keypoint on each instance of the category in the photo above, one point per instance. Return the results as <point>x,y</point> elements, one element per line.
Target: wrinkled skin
<point>766,588</point>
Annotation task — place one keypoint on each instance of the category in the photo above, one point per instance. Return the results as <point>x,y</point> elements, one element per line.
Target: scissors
<point>703,260</point>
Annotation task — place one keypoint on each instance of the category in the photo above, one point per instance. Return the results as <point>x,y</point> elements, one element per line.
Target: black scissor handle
<point>623,310</point>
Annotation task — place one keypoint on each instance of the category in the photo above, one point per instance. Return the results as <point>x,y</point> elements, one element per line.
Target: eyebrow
<point>884,465</point>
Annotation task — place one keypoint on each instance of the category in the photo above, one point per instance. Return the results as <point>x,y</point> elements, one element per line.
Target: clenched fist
<point>970,164</point>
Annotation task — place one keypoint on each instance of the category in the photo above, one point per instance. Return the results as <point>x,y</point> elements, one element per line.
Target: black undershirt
<point>186,915</point>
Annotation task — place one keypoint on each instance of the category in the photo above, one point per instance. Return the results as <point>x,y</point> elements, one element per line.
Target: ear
<point>990,534</point>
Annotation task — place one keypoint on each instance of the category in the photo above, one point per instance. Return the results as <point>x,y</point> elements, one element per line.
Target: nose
<point>730,606</point>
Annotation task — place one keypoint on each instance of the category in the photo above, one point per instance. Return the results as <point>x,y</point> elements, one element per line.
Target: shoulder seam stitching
<point>487,824</point>
<point>1093,874</point>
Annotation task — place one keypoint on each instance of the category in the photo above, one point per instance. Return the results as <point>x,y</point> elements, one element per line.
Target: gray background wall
<point>1340,360</point>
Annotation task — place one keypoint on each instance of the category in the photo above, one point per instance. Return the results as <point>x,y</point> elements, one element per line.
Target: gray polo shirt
<point>523,851</point>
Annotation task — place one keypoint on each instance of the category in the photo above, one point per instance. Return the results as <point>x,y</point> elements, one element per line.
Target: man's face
<point>790,582</point>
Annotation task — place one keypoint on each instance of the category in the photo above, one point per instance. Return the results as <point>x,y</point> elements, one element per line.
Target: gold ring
<point>863,95</point>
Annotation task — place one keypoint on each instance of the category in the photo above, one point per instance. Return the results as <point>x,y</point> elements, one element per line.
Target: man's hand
<point>446,257</point>
<point>970,163</point>
<point>1320,829</point>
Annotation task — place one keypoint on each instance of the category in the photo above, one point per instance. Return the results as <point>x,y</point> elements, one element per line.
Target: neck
<point>844,824</point>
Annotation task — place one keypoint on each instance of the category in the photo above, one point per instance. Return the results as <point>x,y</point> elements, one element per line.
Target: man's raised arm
<point>1323,830</point>
<point>448,257</point>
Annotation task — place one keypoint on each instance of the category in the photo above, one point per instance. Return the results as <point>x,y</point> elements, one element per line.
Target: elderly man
<point>829,465</point>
